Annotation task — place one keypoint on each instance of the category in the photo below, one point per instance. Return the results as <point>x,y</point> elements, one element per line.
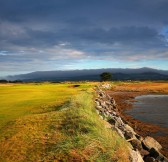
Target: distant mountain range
<point>93,74</point>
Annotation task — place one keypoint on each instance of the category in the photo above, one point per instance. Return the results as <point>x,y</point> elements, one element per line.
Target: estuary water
<point>151,108</point>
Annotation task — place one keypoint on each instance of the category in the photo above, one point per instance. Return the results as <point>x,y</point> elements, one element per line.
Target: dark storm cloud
<point>40,30</point>
<point>114,10</point>
<point>123,35</point>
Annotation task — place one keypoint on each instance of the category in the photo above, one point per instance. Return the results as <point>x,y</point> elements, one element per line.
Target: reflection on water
<point>151,108</point>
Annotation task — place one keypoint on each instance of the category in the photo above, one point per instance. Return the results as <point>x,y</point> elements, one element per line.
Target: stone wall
<point>141,149</point>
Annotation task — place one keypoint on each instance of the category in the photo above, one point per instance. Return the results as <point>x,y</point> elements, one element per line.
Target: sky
<point>44,35</point>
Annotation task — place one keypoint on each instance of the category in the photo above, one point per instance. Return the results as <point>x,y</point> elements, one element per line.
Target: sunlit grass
<point>23,99</point>
<point>60,124</point>
<point>54,122</point>
<point>145,86</point>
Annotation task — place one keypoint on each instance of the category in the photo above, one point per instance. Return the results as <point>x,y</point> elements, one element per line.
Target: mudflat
<point>125,92</point>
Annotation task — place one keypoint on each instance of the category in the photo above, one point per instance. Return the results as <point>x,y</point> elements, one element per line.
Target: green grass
<point>24,99</point>
<point>55,122</point>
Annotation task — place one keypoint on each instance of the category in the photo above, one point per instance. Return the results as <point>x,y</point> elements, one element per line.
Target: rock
<point>102,103</point>
<point>135,156</point>
<point>110,112</point>
<point>96,99</point>
<point>157,155</point>
<point>129,132</point>
<point>119,121</point>
<point>140,138</point>
<point>97,103</point>
<point>154,153</point>
<point>106,115</point>
<point>108,103</point>
<point>149,159</point>
<point>150,142</point>
<point>113,101</point>
<point>136,144</point>
<point>98,107</point>
<point>130,129</point>
<point>114,113</point>
<point>119,132</point>
<point>106,86</point>
<point>144,152</point>
<point>102,94</point>
<point>129,135</point>
<point>105,107</point>
<point>108,97</point>
<point>147,148</point>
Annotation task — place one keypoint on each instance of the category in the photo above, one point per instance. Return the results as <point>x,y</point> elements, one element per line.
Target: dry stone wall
<point>141,149</point>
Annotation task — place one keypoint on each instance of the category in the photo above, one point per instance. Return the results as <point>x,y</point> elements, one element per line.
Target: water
<point>152,109</point>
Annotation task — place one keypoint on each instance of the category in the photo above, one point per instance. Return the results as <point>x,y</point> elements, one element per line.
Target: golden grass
<point>68,132</point>
<point>23,99</point>
<point>156,87</point>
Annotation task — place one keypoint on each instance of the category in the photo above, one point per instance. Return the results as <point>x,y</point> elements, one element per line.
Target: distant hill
<point>93,74</point>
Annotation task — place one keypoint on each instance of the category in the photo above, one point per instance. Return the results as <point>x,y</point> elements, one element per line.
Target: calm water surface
<point>152,109</point>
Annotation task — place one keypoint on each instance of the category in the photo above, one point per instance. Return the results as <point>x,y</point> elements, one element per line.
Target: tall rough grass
<point>71,132</point>
<point>90,139</point>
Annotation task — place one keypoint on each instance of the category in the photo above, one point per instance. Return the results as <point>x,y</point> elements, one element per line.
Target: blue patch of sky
<point>97,64</point>
<point>164,32</point>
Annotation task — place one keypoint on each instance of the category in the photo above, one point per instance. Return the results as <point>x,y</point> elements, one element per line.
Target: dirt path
<point>142,128</point>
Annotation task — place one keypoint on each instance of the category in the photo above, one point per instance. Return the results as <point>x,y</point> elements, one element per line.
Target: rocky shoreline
<point>125,101</point>
<point>141,148</point>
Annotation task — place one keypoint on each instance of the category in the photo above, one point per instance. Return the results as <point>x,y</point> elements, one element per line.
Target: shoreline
<point>124,100</point>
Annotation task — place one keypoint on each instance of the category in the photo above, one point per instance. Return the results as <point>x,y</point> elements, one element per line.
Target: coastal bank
<point>145,149</point>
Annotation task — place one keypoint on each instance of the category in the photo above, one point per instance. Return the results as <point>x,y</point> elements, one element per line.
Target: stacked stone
<point>141,149</point>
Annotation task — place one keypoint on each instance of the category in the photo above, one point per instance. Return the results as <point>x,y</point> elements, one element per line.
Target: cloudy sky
<point>38,35</point>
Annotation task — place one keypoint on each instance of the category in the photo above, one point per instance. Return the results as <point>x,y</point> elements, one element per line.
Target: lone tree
<point>106,76</point>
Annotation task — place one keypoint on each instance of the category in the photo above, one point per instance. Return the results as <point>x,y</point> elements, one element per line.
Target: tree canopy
<point>105,76</point>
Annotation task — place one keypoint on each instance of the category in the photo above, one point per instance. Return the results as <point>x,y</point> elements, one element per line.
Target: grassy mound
<point>71,132</point>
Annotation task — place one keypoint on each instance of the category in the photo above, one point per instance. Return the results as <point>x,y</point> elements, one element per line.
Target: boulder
<point>147,148</point>
<point>102,103</point>
<point>106,86</point>
<point>98,107</point>
<point>150,142</point>
<point>110,111</point>
<point>140,138</point>
<point>114,113</point>
<point>97,103</point>
<point>136,144</point>
<point>119,121</point>
<point>157,155</point>
<point>108,103</point>
<point>144,153</point>
<point>129,135</point>
<point>135,156</point>
<point>106,114</point>
<point>112,99</point>
<point>108,97</point>
<point>101,94</point>
<point>119,132</point>
<point>97,99</point>
<point>149,159</point>
<point>129,129</point>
